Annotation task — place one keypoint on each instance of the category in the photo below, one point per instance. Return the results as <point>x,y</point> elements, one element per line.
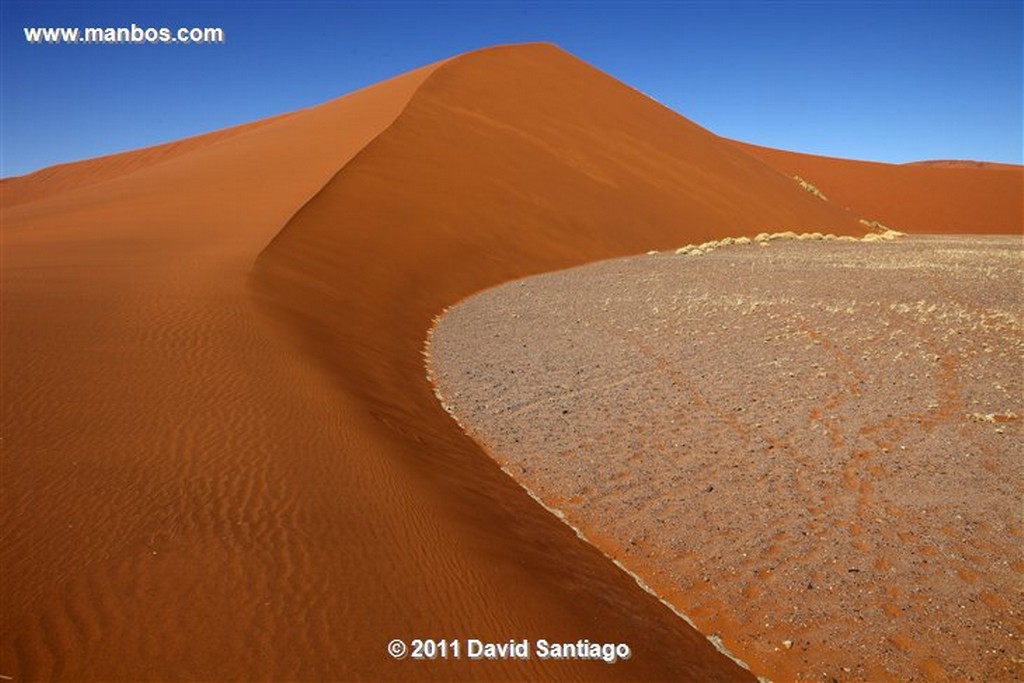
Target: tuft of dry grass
<point>886,236</point>
<point>881,231</point>
<point>763,239</point>
<point>810,188</point>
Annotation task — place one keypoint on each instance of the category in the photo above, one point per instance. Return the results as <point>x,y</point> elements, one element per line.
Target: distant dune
<point>965,163</point>
<point>48,182</point>
<point>940,197</point>
<point>222,459</point>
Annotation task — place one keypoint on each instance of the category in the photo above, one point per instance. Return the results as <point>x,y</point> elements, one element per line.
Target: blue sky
<point>883,81</point>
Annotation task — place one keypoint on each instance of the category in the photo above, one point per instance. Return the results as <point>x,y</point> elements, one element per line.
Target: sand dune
<point>48,182</point>
<point>215,470</point>
<point>187,498</point>
<point>965,163</point>
<point>941,197</point>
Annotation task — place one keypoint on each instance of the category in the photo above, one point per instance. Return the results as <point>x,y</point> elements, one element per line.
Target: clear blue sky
<point>884,81</point>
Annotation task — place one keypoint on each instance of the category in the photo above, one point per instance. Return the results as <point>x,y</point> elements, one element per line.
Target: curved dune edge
<point>392,239</point>
<point>221,465</point>
<point>557,513</point>
<point>497,442</point>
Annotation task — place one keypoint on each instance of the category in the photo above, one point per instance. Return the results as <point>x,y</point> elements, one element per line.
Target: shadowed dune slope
<point>948,197</point>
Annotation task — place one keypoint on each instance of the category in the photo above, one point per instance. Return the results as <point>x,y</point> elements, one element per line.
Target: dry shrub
<point>763,239</point>
<point>810,188</point>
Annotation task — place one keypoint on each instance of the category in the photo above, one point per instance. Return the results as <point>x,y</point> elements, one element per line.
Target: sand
<point>812,449</point>
<point>222,460</point>
<point>951,197</point>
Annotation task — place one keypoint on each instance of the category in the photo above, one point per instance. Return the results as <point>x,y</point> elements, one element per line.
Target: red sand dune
<point>964,163</point>
<point>949,197</point>
<point>194,487</point>
<point>48,182</point>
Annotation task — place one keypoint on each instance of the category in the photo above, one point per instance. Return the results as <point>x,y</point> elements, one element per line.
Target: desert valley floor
<point>808,447</point>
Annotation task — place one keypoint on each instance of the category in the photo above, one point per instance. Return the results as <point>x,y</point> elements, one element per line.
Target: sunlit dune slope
<point>48,182</point>
<point>952,197</point>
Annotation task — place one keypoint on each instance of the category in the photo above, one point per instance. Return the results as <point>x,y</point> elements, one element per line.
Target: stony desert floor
<point>811,449</point>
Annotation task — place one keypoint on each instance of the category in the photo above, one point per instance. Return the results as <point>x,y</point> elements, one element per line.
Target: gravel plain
<point>812,449</point>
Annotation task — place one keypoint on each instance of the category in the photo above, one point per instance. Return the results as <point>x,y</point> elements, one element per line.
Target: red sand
<point>928,197</point>
<point>194,487</point>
